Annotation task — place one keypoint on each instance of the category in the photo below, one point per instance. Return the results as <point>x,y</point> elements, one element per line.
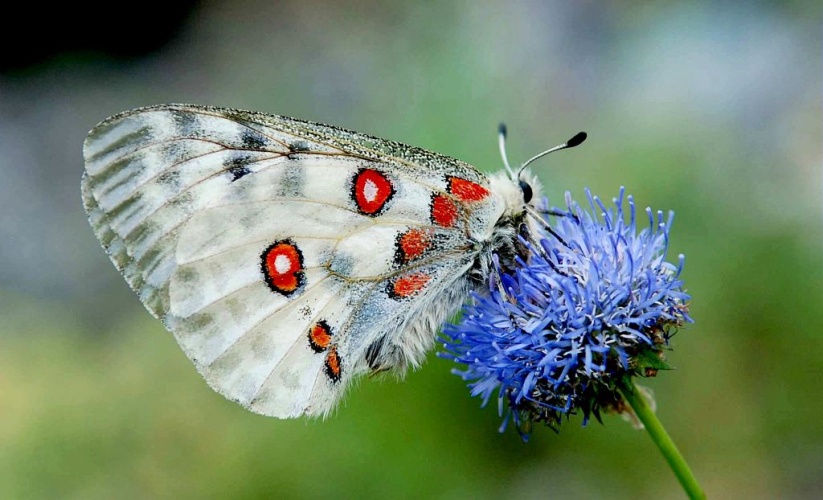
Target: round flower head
<point>587,301</point>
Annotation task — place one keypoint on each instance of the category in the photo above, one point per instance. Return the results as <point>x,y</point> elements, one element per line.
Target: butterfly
<point>289,257</point>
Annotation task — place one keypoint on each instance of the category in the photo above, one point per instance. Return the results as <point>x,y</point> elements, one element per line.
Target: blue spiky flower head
<point>587,301</point>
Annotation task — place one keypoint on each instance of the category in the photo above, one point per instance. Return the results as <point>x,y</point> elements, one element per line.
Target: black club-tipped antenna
<point>573,142</point>
<point>576,140</point>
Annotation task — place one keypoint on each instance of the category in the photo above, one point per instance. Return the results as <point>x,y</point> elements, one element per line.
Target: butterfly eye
<point>527,191</point>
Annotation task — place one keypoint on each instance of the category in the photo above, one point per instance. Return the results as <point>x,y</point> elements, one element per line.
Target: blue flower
<point>587,301</point>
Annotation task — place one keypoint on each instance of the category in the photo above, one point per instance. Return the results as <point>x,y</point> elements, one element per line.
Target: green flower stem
<point>661,438</point>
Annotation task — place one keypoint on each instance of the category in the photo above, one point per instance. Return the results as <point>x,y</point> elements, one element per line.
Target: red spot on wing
<point>412,244</point>
<point>466,190</point>
<point>444,211</point>
<point>333,366</point>
<point>371,191</point>
<point>282,265</point>
<point>320,336</point>
<point>408,286</point>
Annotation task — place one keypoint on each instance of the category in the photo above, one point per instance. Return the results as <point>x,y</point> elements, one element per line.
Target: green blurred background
<point>712,110</point>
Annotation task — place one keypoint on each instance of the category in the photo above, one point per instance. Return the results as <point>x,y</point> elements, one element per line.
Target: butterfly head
<point>519,193</point>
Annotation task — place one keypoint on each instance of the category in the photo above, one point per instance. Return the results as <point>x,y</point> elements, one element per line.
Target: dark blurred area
<point>92,30</point>
<point>710,110</point>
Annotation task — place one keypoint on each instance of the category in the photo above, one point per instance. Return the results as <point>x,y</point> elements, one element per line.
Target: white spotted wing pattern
<point>288,257</point>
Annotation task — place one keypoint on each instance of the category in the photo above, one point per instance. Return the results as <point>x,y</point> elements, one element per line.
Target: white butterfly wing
<point>285,256</point>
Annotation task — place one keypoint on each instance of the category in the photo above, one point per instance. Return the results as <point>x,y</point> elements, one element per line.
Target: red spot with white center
<point>444,211</point>
<point>408,286</point>
<point>320,336</point>
<point>371,191</point>
<point>412,244</point>
<point>466,190</point>
<point>282,265</point>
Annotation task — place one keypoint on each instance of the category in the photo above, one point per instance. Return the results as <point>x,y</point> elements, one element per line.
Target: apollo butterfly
<point>288,257</point>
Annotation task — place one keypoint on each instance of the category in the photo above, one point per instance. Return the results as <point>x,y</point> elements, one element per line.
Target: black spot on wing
<point>253,141</point>
<point>237,166</point>
<point>238,172</point>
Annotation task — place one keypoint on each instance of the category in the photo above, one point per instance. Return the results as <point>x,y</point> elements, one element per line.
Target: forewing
<point>277,250</point>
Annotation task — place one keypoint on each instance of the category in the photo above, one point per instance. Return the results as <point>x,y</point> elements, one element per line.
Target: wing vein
<point>284,307</point>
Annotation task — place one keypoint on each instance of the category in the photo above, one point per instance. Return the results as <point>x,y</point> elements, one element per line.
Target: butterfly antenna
<point>574,141</point>
<point>501,141</point>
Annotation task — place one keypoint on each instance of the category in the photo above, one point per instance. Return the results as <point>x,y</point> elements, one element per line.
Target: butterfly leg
<point>536,216</point>
<point>557,213</point>
<point>526,235</point>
